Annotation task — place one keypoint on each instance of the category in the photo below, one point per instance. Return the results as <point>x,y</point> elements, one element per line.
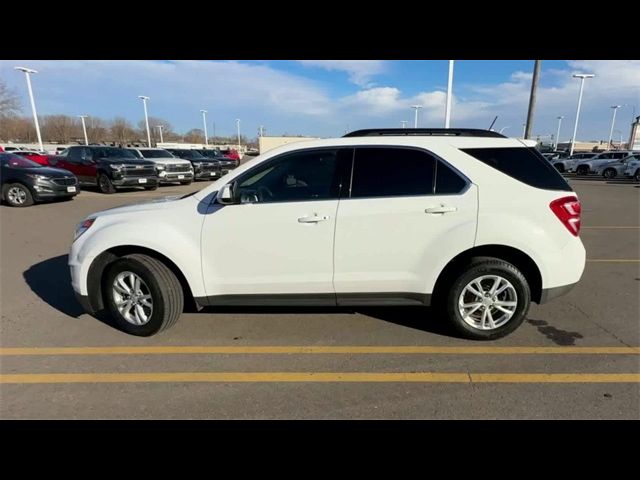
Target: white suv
<point>469,221</point>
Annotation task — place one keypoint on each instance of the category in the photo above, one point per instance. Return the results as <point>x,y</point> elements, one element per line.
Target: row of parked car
<point>29,177</point>
<point>610,164</point>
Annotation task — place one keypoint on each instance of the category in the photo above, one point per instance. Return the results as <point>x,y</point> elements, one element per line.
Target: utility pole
<point>532,99</point>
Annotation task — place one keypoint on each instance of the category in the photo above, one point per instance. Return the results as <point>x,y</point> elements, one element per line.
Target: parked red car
<point>40,158</point>
<point>232,154</point>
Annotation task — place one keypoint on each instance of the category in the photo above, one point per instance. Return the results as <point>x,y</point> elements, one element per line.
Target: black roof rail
<point>457,132</point>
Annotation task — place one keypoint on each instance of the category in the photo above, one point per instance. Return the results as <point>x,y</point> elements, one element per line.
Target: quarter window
<point>448,182</point>
<point>392,172</point>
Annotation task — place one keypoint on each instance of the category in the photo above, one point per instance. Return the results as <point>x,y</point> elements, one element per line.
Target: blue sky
<point>324,97</point>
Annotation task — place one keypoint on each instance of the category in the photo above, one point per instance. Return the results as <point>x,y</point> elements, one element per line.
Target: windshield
<point>112,153</point>
<point>211,153</point>
<point>156,154</point>
<point>15,161</point>
<point>190,154</point>
<point>135,152</point>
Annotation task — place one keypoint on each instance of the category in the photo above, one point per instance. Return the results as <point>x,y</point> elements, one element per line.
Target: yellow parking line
<point>348,377</point>
<point>613,260</point>
<point>405,349</point>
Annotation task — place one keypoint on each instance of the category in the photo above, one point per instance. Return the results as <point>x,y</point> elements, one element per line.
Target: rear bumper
<point>551,293</point>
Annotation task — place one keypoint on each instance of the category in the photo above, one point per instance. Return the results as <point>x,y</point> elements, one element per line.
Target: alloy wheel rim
<point>17,195</point>
<point>488,302</point>
<point>132,298</point>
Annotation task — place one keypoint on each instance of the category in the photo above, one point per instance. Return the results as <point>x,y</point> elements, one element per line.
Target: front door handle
<point>440,209</point>
<point>313,219</point>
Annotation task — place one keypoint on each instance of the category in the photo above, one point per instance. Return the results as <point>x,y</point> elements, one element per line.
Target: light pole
<point>84,129</point>
<point>404,123</point>
<point>613,122</point>
<point>261,131</point>
<point>447,111</point>
<point>204,121</point>
<point>146,118</point>
<point>558,132</point>
<point>582,77</point>
<point>415,121</point>
<point>532,99</point>
<point>238,127</point>
<point>27,73</point>
<point>524,129</point>
<point>159,127</point>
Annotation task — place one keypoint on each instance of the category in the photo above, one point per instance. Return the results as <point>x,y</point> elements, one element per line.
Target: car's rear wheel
<point>609,173</point>
<point>17,195</point>
<point>636,176</point>
<point>143,295</point>
<point>488,300</point>
<point>582,170</point>
<point>105,185</point>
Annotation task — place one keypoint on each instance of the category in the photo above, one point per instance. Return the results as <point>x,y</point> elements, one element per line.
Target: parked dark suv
<point>107,167</point>
<point>203,168</point>
<point>225,163</point>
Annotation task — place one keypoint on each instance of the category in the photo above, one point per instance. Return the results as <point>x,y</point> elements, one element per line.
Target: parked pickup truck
<point>170,169</point>
<point>108,168</point>
<point>203,168</point>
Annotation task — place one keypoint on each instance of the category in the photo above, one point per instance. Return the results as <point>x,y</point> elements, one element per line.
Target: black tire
<point>105,185</point>
<point>636,176</point>
<point>478,267</point>
<point>164,287</point>
<point>559,167</point>
<point>582,170</point>
<point>609,173</point>
<point>186,183</point>
<point>28,198</point>
<point>154,187</point>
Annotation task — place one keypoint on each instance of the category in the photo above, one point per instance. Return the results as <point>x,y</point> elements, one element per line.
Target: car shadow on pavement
<point>51,281</point>
<point>419,318</point>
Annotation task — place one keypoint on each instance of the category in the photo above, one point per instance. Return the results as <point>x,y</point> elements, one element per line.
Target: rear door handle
<point>313,219</point>
<point>440,209</point>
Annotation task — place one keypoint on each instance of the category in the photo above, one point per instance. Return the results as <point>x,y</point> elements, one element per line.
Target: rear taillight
<point>567,209</point>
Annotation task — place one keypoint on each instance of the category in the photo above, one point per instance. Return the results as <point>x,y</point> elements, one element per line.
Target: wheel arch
<point>516,257</point>
<point>102,261</point>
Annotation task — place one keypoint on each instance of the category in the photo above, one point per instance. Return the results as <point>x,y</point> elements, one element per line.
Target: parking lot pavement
<point>576,357</point>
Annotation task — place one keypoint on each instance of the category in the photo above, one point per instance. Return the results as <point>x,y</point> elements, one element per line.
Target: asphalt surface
<point>577,357</point>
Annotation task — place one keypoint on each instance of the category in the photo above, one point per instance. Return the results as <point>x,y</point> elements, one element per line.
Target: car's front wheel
<point>142,295</point>
<point>154,187</point>
<point>636,176</point>
<point>582,170</point>
<point>17,195</point>
<point>105,184</point>
<point>488,300</point>
<point>609,173</point>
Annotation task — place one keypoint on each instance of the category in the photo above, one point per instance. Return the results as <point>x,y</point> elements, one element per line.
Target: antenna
<point>492,123</point>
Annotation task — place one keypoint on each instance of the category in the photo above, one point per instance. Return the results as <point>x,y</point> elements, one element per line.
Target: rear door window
<point>523,164</point>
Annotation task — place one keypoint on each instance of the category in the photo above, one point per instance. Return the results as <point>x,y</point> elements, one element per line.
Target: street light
<point>159,127</point>
<point>416,108</point>
<point>204,120</point>
<point>613,122</point>
<point>84,129</point>
<point>146,118</point>
<point>238,127</point>
<point>558,133</point>
<point>27,72</point>
<point>404,123</point>
<point>447,111</point>
<point>582,77</point>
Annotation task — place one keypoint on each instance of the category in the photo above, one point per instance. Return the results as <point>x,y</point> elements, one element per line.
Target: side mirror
<point>226,197</point>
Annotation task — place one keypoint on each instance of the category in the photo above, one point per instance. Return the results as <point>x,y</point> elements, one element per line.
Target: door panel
<point>393,245</point>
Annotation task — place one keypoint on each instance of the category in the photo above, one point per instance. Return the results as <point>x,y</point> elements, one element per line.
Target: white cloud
<point>360,71</point>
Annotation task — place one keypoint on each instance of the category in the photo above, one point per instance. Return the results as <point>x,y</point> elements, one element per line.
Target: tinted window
<point>523,164</point>
<point>111,152</point>
<point>392,172</point>
<point>75,154</point>
<point>301,176</point>
<point>14,161</point>
<point>447,180</point>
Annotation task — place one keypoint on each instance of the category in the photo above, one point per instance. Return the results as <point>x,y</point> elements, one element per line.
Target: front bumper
<point>83,300</point>
<point>171,177</point>
<point>135,181</point>
<point>208,175</point>
<point>51,191</point>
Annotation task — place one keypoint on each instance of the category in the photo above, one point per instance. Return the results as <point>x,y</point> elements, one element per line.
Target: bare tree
<point>60,128</point>
<point>122,131</point>
<point>9,101</point>
<point>195,135</point>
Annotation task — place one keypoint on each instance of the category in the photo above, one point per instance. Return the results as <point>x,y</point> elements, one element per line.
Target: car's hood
<point>48,172</point>
<point>128,161</point>
<point>170,161</point>
<point>155,204</point>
